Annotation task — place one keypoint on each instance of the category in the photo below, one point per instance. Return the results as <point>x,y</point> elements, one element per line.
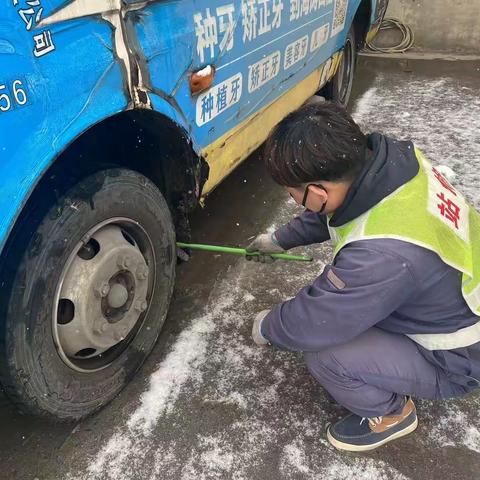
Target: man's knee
<point>362,354</point>
<point>325,361</point>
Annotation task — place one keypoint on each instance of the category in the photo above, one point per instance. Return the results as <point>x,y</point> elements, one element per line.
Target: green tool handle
<point>241,251</point>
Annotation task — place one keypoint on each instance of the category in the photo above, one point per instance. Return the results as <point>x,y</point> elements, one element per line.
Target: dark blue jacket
<point>392,284</point>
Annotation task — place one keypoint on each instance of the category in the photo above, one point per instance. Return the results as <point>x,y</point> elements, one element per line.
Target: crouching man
<point>395,315</point>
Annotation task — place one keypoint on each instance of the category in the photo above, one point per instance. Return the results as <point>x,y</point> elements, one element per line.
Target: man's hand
<point>265,244</point>
<point>257,336</point>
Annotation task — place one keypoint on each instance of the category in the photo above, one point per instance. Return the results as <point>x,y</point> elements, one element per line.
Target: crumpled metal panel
<point>55,82</point>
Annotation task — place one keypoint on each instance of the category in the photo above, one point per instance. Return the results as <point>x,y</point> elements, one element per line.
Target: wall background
<point>439,25</point>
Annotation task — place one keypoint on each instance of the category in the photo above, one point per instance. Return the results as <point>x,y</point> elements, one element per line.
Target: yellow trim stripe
<point>228,151</point>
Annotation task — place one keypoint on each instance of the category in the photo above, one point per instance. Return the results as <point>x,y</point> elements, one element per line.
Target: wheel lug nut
<point>124,262</point>
<point>101,328</point>
<point>103,290</point>
<point>142,272</point>
<point>141,306</point>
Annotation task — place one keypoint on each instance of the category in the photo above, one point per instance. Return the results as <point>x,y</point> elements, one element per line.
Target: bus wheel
<point>339,88</point>
<point>89,295</point>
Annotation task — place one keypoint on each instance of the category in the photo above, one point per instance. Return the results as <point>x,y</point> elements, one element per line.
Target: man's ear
<point>320,192</point>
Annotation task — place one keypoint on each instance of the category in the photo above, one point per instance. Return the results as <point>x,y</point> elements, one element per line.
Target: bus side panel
<point>260,50</point>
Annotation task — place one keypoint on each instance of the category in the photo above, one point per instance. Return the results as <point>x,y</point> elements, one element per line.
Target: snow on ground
<point>455,426</point>
<point>219,407</point>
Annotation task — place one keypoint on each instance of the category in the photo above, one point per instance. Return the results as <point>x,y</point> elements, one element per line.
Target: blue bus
<point>117,117</point>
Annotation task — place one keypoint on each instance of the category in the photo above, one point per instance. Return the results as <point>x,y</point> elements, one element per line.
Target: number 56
<point>19,96</point>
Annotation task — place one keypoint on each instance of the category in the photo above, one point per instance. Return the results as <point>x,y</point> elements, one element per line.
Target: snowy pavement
<point>209,404</point>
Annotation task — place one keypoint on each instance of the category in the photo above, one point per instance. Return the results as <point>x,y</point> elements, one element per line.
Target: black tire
<point>33,373</point>
<point>339,88</point>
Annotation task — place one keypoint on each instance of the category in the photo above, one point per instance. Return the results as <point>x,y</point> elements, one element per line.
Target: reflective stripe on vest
<point>427,211</point>
<point>448,341</point>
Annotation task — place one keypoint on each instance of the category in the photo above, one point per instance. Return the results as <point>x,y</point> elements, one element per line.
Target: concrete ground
<point>209,404</point>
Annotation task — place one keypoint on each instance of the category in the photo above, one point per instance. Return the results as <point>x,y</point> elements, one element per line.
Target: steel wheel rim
<point>121,319</point>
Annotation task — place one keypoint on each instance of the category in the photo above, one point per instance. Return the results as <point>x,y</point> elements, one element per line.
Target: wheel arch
<point>362,22</point>
<point>142,140</point>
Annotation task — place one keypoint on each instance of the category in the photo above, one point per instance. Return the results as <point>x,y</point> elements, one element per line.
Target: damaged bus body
<point>116,118</point>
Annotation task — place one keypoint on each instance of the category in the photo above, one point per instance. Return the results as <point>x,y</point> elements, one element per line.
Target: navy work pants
<point>371,374</point>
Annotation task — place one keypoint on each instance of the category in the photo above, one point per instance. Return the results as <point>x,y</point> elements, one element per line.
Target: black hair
<point>317,142</point>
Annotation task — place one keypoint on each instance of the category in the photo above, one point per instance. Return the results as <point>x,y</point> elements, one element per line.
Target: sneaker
<point>358,434</point>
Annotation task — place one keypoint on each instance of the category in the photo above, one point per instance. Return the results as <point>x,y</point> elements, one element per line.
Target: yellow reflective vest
<point>427,211</point>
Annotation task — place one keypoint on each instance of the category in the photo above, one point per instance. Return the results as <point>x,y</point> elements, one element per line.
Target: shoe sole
<point>365,448</point>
